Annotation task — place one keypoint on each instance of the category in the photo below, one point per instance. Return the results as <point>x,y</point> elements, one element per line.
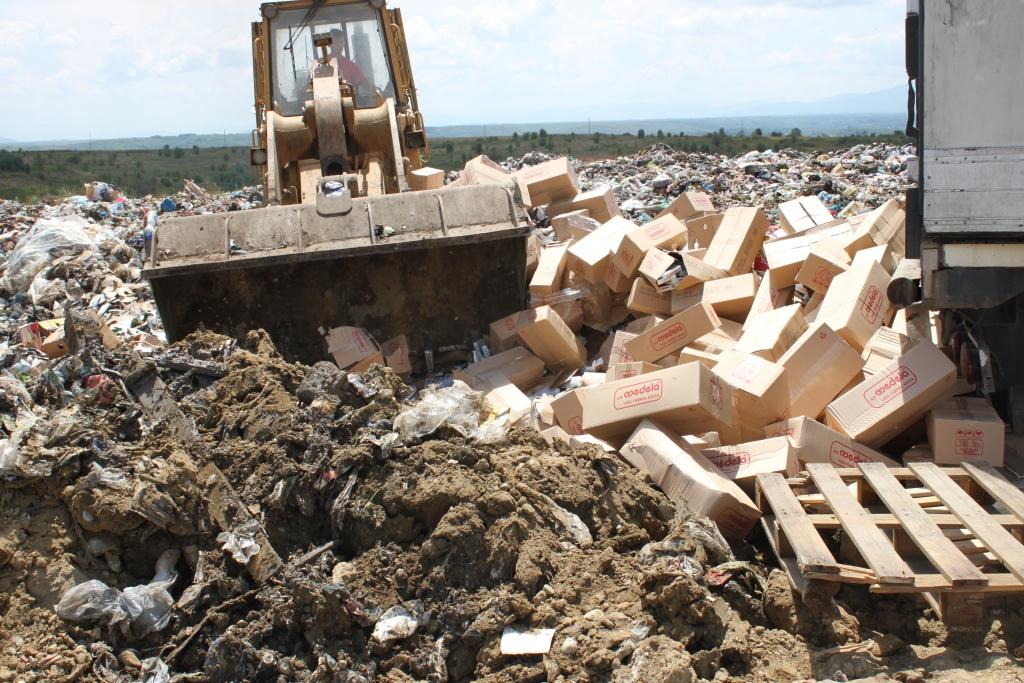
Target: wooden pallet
<point>952,534</point>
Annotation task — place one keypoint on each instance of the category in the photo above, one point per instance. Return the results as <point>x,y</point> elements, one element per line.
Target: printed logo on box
<point>890,386</point>
<point>575,426</point>
<point>638,394</point>
<point>841,455</point>
<point>730,463</point>
<point>745,372</point>
<point>871,304</point>
<point>657,233</point>
<point>628,374</point>
<point>665,338</point>
<point>716,393</point>
<point>969,443</point>
<point>362,342</point>
<point>823,276</point>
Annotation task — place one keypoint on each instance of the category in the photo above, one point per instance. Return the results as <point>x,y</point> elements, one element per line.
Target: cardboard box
<point>743,462</point>
<point>533,248</point>
<point>802,214</point>
<point>482,171</point>
<point>367,363</point>
<point>503,334</point>
<point>574,226</point>
<point>55,345</point>
<point>426,178</point>
<point>547,335</point>
<point>769,296</point>
<point>503,396</point>
<point>600,203</point>
<point>617,282</point>
<point>687,399</point>
<point>591,257</point>
<point>555,433</point>
<point>786,255</point>
<point>814,442</point>
<point>568,411</point>
<point>723,338</point>
<point>689,480</point>
<point>738,240</point>
<point>826,260</point>
<point>550,270</point>
<point>818,365</point>
<point>517,365</point>
<point>966,430</point>
<point>856,305</point>
<point>882,254</point>
<point>673,334</point>
<point>655,264</point>
<point>883,406</point>
<point>626,370</point>
<point>770,334</point>
<point>760,396</point>
<point>684,299</point>
<point>691,355</point>
<point>887,225</point>
<point>732,297</point>
<point>396,354</point>
<point>700,230</point>
<point>688,205</point>
<point>34,334</point>
<point>644,299</point>
<point>663,233</point>
<point>617,349</point>
<point>548,182</point>
<point>350,345</point>
<point>597,304</point>
<point>641,325</point>
<point>885,346</point>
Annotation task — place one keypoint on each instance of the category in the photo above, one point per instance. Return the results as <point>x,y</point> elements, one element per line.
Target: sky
<point>71,69</point>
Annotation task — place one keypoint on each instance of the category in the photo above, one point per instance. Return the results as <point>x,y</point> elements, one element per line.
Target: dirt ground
<point>448,540</point>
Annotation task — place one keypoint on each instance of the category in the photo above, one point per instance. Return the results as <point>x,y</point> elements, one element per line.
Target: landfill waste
<point>322,524</point>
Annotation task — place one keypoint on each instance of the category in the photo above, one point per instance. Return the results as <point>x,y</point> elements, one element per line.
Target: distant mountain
<point>891,100</point>
<point>6,140</point>
<point>185,141</point>
<point>811,124</point>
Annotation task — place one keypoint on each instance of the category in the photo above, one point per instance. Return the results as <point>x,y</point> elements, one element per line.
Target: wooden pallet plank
<point>996,485</point>
<point>869,540</point>
<point>886,520</point>
<point>998,540</point>
<point>809,549</point>
<point>939,550</point>
<point>997,583</point>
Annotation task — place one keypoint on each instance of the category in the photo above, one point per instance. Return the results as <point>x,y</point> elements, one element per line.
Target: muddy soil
<point>404,562</point>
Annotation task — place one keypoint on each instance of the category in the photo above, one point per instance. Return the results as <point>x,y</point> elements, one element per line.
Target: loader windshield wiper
<point>310,13</point>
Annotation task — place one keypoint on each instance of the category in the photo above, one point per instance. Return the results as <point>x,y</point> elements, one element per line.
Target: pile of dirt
<point>389,561</point>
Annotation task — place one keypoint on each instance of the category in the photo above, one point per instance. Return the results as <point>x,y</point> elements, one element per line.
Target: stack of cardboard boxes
<point>662,342</point>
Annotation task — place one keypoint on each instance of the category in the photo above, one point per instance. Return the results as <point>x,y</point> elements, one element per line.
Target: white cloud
<point>116,69</point>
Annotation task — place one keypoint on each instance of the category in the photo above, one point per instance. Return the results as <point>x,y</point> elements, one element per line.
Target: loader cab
<point>358,49</point>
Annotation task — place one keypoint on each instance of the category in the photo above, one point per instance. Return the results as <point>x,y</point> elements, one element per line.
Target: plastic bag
<point>241,541</point>
<point>41,244</point>
<point>457,406</point>
<point>560,297</point>
<point>154,671</point>
<point>43,292</point>
<point>137,611</point>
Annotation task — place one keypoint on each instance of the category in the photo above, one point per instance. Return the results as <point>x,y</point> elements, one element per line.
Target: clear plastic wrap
<point>137,611</point>
<point>457,406</point>
<point>41,244</point>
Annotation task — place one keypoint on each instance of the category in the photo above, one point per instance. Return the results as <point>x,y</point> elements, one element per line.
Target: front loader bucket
<point>438,266</point>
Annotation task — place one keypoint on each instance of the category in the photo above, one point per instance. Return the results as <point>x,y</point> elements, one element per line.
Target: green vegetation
<point>48,175</point>
<point>52,174</point>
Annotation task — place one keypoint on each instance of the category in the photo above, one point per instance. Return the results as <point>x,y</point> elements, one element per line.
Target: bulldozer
<point>341,239</point>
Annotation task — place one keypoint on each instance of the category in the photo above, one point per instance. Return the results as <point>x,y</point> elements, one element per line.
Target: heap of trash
<point>574,500</point>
